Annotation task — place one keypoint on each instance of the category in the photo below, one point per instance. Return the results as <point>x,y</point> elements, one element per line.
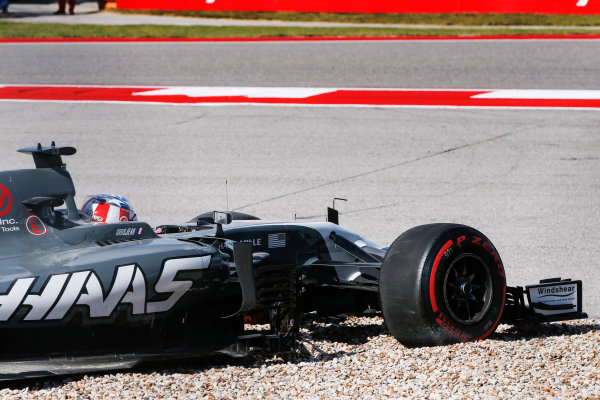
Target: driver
<point>108,208</point>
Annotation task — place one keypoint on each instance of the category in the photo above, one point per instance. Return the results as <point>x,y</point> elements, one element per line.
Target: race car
<point>79,296</point>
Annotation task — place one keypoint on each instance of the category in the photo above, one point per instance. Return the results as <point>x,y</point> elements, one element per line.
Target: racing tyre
<point>441,284</point>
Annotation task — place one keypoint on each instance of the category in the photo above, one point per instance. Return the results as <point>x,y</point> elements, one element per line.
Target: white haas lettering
<point>48,303</point>
<point>582,3</point>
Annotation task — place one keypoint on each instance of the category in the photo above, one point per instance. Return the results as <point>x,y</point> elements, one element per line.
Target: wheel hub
<point>468,289</point>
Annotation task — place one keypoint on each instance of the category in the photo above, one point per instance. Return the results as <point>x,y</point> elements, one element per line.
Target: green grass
<point>42,30</point>
<point>471,19</point>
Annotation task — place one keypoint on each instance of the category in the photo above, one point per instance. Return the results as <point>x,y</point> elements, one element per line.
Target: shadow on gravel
<point>341,330</point>
<point>190,365</point>
<point>513,333</point>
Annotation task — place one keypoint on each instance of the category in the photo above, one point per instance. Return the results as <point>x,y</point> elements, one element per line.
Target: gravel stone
<point>356,358</point>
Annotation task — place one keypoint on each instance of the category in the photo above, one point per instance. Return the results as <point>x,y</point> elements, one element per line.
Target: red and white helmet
<point>109,208</point>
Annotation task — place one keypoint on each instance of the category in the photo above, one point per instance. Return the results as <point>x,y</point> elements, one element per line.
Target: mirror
<point>222,217</point>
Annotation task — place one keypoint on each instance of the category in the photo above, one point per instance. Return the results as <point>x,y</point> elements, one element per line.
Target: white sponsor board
<point>555,298</point>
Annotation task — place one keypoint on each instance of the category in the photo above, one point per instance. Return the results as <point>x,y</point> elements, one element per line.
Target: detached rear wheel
<point>442,284</point>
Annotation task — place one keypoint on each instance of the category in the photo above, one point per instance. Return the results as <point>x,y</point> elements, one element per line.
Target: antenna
<point>337,198</point>
<point>226,196</point>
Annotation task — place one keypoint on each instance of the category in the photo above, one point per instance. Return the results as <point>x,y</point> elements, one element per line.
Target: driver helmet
<point>108,208</point>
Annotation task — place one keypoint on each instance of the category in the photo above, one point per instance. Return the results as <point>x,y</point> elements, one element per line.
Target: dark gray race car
<point>78,296</point>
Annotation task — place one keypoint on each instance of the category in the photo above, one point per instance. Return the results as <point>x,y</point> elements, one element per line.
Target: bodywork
<point>80,296</point>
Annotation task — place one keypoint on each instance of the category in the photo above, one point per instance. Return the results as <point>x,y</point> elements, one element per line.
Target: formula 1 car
<point>78,296</point>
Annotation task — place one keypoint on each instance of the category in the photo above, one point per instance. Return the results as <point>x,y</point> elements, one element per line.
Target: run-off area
<point>528,179</point>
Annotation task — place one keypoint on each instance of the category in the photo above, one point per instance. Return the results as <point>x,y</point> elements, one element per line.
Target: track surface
<point>529,179</point>
<point>437,64</point>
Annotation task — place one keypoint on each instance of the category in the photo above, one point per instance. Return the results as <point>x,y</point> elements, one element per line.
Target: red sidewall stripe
<point>433,300</point>
<point>434,269</point>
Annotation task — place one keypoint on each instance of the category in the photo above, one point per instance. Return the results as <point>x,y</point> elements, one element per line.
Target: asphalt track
<point>529,179</point>
<point>552,64</point>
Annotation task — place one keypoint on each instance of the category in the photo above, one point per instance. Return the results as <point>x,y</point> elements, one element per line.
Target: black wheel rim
<point>468,289</point>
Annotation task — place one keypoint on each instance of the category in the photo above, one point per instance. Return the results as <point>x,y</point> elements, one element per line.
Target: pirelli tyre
<point>441,284</point>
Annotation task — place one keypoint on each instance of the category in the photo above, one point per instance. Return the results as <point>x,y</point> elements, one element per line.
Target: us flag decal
<point>276,240</point>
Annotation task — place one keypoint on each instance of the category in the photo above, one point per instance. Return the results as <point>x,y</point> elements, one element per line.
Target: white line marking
<point>250,92</point>
<point>542,94</point>
<point>152,87</point>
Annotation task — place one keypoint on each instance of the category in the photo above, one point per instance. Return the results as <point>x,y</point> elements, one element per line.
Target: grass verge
<point>44,30</point>
<point>466,19</point>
